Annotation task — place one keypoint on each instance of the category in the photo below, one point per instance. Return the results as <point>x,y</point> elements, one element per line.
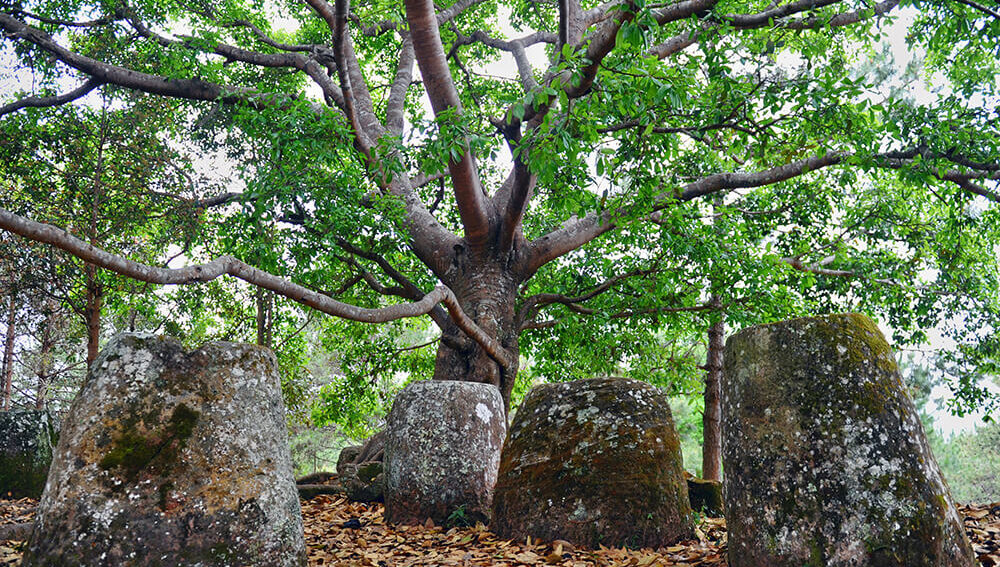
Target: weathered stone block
<point>172,458</point>
<point>593,462</point>
<point>364,482</point>
<point>442,451</point>
<point>825,457</point>
<point>347,456</point>
<point>26,441</point>
<point>705,495</point>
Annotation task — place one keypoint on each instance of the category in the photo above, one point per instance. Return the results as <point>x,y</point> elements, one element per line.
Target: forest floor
<point>341,533</point>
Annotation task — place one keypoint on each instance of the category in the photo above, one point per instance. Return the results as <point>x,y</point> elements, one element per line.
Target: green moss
<point>132,451</point>
<point>182,422</point>
<point>816,555</point>
<point>164,492</point>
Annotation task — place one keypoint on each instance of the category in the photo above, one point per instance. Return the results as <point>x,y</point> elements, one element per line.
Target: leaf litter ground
<point>342,533</point>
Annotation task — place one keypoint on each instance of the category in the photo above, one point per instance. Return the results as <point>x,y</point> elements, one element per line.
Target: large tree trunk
<point>8,352</point>
<point>486,290</point>
<point>711,455</point>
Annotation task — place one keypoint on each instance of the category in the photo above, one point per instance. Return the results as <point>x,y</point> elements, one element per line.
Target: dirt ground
<point>341,533</point>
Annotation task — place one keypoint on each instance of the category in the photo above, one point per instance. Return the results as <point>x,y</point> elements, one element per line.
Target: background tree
<point>571,202</point>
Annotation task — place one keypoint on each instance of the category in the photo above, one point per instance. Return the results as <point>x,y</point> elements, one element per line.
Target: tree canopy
<point>650,168</point>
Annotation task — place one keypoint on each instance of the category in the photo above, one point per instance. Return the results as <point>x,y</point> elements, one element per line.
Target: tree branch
<point>340,40</point>
<point>522,184</point>
<point>769,17</point>
<point>395,105</point>
<point>433,64</point>
<point>47,101</point>
<point>965,183</point>
<point>406,285</point>
<point>599,44</point>
<point>268,40</point>
<point>516,47</point>
<point>820,270</point>
<point>624,314</point>
<point>570,23</point>
<point>577,232</point>
<point>534,303</point>
<point>67,23</point>
<point>980,7</point>
<point>228,265</point>
<point>844,18</point>
<point>191,89</point>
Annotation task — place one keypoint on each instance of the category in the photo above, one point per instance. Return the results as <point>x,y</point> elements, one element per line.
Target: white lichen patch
<point>483,413</point>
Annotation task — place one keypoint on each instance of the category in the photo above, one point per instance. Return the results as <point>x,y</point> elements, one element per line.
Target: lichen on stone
<point>440,453</point>
<point>172,458</point>
<point>826,459</point>
<point>593,462</point>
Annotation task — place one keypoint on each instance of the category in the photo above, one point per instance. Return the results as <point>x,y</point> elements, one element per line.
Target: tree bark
<point>486,288</point>
<point>47,342</point>
<point>265,317</point>
<point>711,456</point>
<point>8,351</point>
<point>92,313</point>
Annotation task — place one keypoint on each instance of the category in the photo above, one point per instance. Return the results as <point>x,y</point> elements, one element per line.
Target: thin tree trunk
<point>44,371</point>
<point>92,313</point>
<point>8,352</point>
<point>711,455</point>
<point>265,317</point>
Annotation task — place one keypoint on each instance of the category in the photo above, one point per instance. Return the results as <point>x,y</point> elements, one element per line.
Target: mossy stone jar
<point>594,462</point>
<point>826,462</point>
<point>172,458</point>
<point>27,438</point>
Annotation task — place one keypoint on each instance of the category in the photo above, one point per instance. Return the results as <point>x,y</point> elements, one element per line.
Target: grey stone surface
<point>443,441</point>
<point>593,462</point>
<point>172,458</point>
<point>27,438</point>
<point>825,459</point>
<point>363,482</point>
<point>347,456</point>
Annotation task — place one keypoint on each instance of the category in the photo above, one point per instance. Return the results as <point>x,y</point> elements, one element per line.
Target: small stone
<point>173,458</point>
<point>595,462</point>
<point>441,455</point>
<point>826,461</point>
<point>27,438</point>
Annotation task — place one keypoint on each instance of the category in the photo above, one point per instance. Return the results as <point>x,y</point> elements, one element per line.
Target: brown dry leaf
<point>554,558</point>
<point>527,557</point>
<point>569,547</point>
<point>376,544</point>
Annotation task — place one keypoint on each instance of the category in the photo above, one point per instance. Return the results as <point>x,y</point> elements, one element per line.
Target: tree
<point>639,117</point>
<point>42,362</point>
<point>91,171</point>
